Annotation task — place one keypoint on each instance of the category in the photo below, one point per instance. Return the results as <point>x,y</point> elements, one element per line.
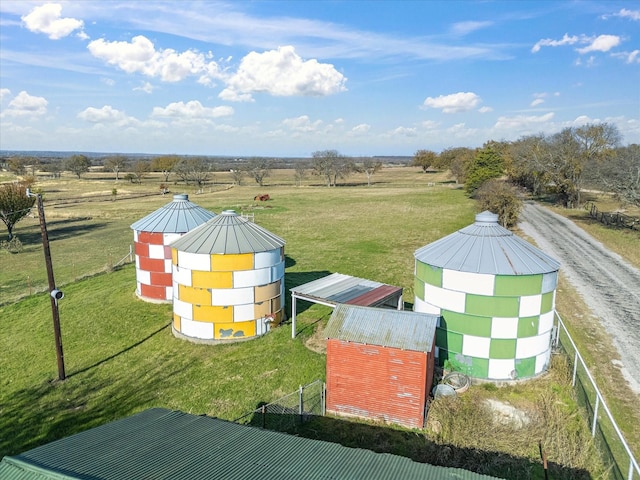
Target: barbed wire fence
<point>289,411</point>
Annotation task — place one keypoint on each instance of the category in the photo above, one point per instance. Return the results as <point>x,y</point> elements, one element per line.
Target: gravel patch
<point>608,284</point>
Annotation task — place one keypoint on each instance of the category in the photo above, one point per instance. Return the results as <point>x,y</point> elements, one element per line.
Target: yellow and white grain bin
<point>228,280</point>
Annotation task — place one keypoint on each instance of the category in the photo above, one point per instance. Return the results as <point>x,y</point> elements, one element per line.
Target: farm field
<point>122,358</point>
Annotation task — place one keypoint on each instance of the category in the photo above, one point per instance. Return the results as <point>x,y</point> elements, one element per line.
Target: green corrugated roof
<point>164,444</point>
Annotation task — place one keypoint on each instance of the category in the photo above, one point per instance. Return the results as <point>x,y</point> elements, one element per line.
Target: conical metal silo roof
<point>486,247</point>
<point>228,233</point>
<point>178,216</point>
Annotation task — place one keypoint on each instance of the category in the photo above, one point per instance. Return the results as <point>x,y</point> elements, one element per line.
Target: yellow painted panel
<point>207,313</point>
<point>267,291</point>
<point>211,279</point>
<point>230,331</point>
<point>195,296</point>
<point>177,322</point>
<point>262,309</point>
<point>276,304</point>
<point>174,256</point>
<point>277,318</point>
<point>231,262</point>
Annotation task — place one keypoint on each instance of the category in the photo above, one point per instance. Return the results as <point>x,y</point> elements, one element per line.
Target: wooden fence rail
<point>615,219</point>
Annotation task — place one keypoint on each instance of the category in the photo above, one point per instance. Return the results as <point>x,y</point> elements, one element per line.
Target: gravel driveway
<point>609,286</point>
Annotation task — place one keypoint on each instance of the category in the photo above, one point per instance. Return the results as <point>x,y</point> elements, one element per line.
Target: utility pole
<point>54,293</point>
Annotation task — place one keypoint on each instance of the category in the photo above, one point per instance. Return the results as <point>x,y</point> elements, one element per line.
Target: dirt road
<point>609,286</point>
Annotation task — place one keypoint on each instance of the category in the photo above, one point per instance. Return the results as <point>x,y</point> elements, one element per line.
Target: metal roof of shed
<point>486,247</point>
<point>228,233</point>
<point>338,288</point>
<point>178,216</point>
<point>384,327</point>
<point>164,444</point>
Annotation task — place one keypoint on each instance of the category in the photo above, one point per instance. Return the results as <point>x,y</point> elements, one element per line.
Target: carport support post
<point>293,315</point>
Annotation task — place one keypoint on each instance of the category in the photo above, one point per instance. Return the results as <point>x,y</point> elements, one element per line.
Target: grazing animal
<point>262,198</point>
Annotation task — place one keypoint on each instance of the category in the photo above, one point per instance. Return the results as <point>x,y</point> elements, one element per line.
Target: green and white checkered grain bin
<point>495,294</point>
<point>228,280</point>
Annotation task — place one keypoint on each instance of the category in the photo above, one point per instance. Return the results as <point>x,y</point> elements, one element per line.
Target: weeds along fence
<point>614,448</point>
<point>613,218</point>
<point>289,411</point>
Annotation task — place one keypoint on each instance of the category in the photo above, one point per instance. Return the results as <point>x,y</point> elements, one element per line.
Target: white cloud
<point>404,132</point>
<point>108,81</point>
<point>463,28</point>
<point>282,72</point>
<point>47,19</point>
<point>146,87</point>
<point>430,124</point>
<point>141,56</point>
<point>485,109</point>
<point>191,109</point>
<point>454,103</point>
<point>230,95</point>
<point>548,42</point>
<point>106,114</point>
<point>536,102</point>
<point>628,57</point>
<point>520,122</point>
<point>624,13</point>
<point>361,129</point>
<point>4,92</point>
<point>302,124</point>
<point>602,43</point>
<point>24,104</point>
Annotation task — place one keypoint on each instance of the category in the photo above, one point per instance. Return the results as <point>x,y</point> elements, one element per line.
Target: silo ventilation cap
<point>487,217</point>
<point>180,196</point>
<point>228,212</point>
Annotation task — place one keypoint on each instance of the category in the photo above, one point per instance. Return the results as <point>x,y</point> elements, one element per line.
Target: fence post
<point>595,416</point>
<point>130,253</point>
<point>575,369</point>
<point>300,405</point>
<point>263,410</point>
<point>323,399</point>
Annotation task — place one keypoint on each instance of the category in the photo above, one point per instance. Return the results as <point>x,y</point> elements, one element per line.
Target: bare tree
<point>300,172</point>
<point>165,165</point>
<point>116,164</point>
<point>140,170</point>
<point>369,167</point>
<point>78,164</point>
<point>193,170</point>
<point>259,168</point>
<point>331,165</point>
<point>237,174</point>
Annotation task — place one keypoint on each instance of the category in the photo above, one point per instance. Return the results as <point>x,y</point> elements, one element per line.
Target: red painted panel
<point>163,279</point>
<point>152,264</point>
<point>154,238</point>
<point>375,296</point>
<point>377,382</point>
<point>142,249</point>
<point>152,291</point>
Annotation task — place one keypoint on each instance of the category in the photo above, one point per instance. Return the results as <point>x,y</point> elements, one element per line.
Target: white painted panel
<point>542,361</point>
<point>169,293</point>
<point>532,346</point>
<point>231,296</point>
<point>167,238</point>
<point>424,307</point>
<point>135,235</point>
<point>504,327</point>
<point>182,275</point>
<point>546,322</point>
<point>530,305</point>
<point>183,309</point>
<point>194,261</point>
<point>137,261</point>
<point>477,283</point>
<point>138,288</point>
<point>156,251</point>
<point>501,369</point>
<point>476,346</point>
<point>266,259</point>
<point>194,329</point>
<point>277,272</point>
<point>143,276</point>
<point>549,282</point>
<point>251,278</point>
<point>262,326</point>
<point>168,266</point>
<point>445,299</point>
<point>242,313</point>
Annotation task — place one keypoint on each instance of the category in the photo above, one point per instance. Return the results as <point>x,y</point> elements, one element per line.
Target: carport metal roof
<point>339,288</point>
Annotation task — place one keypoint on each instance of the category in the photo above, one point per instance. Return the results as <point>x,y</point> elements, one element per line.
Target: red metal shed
<point>380,363</point>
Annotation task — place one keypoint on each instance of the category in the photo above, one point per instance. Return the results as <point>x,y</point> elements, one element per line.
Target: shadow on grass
<point>295,279</point>
<point>412,444</point>
<point>61,229</point>
<point>124,350</point>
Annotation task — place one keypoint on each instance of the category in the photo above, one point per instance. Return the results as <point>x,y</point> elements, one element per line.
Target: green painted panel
<point>528,326</point>
<point>429,274</point>
<point>518,285</point>
<point>418,288</point>
<point>469,324</point>
<point>547,302</point>
<point>526,367</point>
<point>448,340</point>
<point>492,306</point>
<point>479,368</point>
<point>502,348</point>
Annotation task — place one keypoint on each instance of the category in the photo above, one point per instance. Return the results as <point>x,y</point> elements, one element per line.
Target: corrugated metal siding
<point>376,296</point>
<point>162,444</point>
<point>376,326</point>
<point>486,247</point>
<point>340,288</point>
<point>179,216</point>
<point>377,382</point>
<point>228,233</point>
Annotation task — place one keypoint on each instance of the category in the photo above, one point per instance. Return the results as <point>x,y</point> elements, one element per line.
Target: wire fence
<point>613,218</point>
<point>614,448</point>
<point>289,411</point>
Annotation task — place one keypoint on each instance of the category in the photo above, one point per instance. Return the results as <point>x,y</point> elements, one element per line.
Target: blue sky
<point>287,78</point>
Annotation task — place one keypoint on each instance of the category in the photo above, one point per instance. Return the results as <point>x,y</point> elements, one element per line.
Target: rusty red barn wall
<point>378,382</point>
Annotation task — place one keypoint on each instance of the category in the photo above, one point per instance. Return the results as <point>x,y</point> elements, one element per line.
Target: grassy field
<point>121,357</point>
